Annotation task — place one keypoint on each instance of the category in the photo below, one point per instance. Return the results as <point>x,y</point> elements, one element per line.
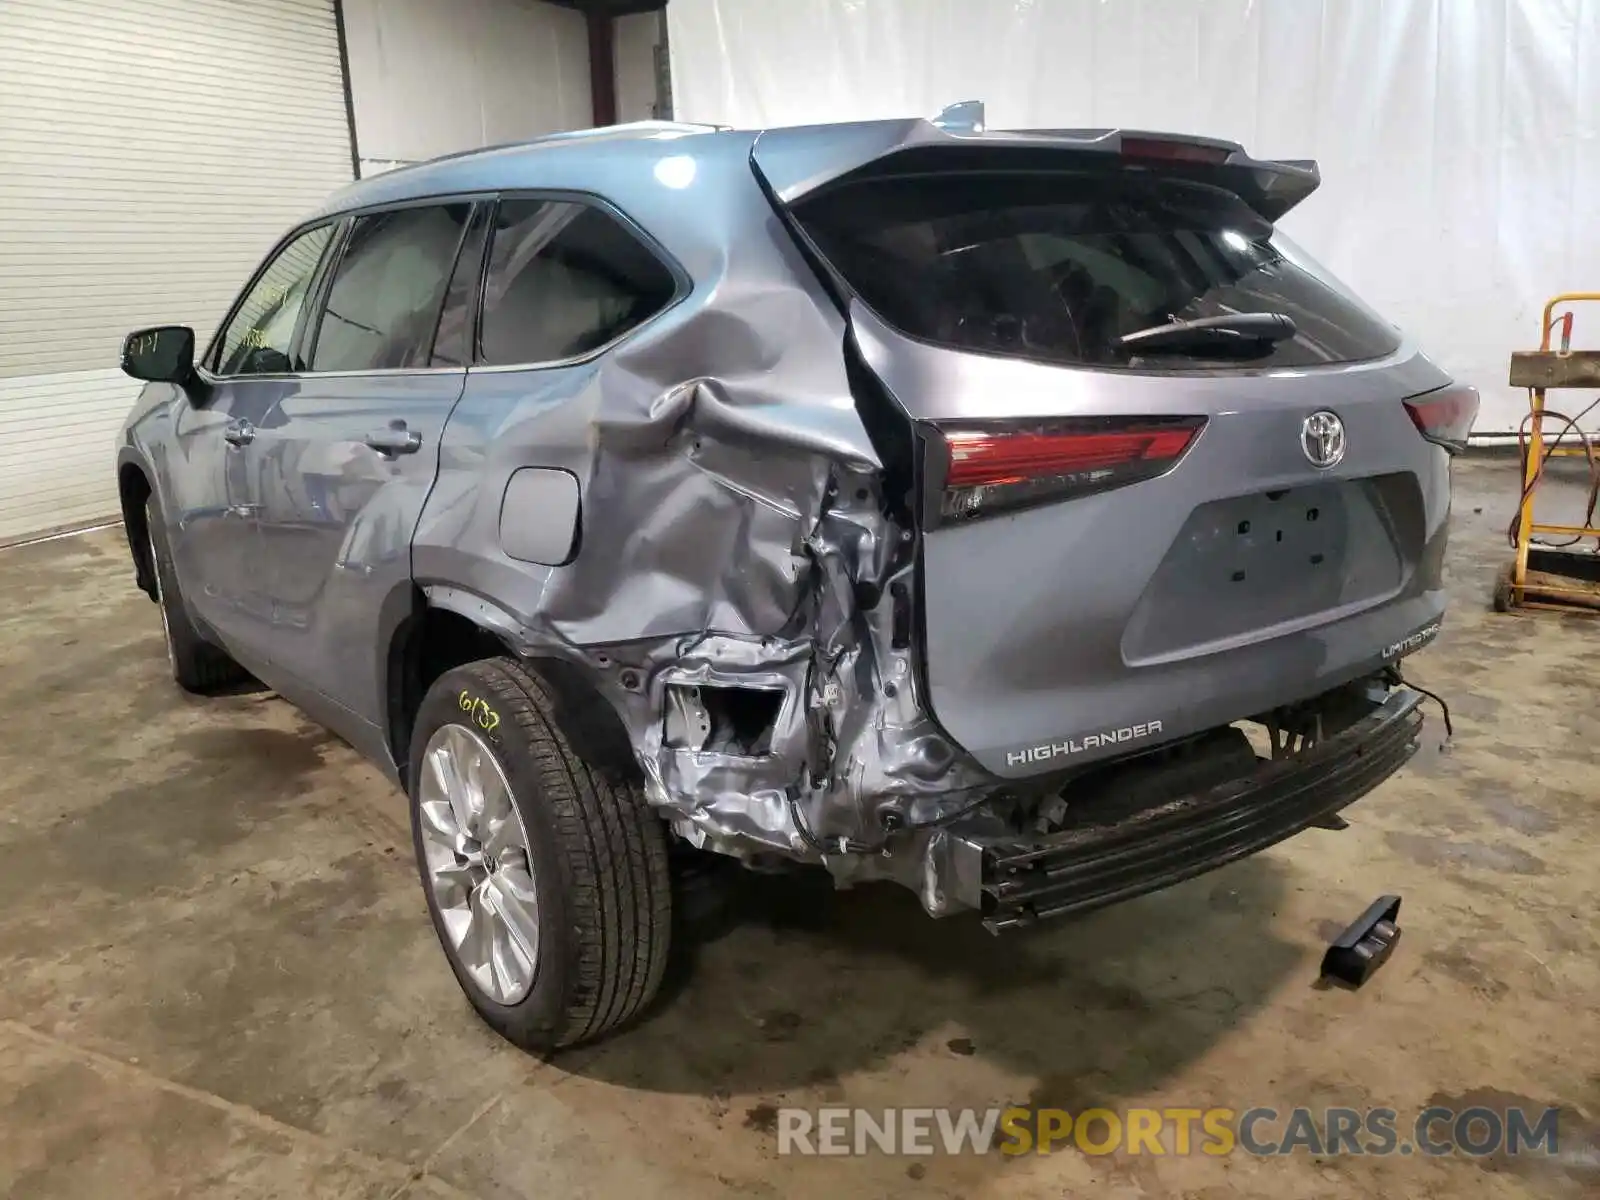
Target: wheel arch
<point>135,486</point>
<point>448,627</point>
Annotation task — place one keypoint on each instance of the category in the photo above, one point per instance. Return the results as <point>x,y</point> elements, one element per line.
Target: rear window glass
<point>1057,266</point>
<point>564,279</point>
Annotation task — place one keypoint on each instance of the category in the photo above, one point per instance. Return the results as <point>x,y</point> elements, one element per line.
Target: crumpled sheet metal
<point>780,602</point>
<point>851,733</point>
<point>769,547</point>
<point>733,534</point>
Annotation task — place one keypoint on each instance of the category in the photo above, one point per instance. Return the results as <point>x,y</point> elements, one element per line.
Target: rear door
<point>341,464</point>
<point>1125,541</point>
<point>566,279</point>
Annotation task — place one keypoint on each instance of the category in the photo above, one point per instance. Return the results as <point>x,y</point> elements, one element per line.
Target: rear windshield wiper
<point>1240,333</point>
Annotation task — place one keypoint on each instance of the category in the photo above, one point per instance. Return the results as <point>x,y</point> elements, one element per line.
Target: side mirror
<point>164,354</point>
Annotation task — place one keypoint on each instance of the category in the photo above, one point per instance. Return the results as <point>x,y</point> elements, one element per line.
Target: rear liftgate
<point>1119,556</point>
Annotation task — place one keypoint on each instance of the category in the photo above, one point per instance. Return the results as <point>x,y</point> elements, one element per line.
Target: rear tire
<point>197,665</point>
<point>599,902</point>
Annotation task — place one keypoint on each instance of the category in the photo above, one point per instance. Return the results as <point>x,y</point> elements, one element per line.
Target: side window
<point>258,338</point>
<point>383,305</point>
<point>564,279</point>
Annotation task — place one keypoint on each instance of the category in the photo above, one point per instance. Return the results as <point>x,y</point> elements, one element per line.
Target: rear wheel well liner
<point>426,644</point>
<point>436,638</point>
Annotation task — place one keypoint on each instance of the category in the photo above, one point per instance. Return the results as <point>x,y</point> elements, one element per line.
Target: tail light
<point>997,468</point>
<point>1445,416</point>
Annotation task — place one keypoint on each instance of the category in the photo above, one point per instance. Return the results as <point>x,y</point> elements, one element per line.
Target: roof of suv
<point>797,159</point>
<point>515,164</point>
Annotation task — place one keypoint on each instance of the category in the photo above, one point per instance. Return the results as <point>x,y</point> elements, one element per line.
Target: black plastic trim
<point>1089,868</point>
<point>349,97</point>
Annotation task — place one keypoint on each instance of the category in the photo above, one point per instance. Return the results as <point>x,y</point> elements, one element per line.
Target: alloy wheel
<point>477,863</point>
<point>161,603</point>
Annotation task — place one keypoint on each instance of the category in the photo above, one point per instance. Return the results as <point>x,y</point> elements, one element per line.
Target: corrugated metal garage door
<point>151,151</point>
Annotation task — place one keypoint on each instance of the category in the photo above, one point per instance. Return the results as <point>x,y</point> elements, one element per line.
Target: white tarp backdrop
<point>1457,138</point>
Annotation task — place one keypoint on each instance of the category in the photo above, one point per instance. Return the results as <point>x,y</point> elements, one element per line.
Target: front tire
<point>196,664</point>
<point>546,876</point>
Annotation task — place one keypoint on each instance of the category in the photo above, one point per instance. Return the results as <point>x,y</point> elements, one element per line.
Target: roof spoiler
<point>963,117</point>
<point>799,161</point>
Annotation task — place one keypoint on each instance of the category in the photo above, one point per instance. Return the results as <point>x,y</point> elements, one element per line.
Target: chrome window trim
<point>290,377</point>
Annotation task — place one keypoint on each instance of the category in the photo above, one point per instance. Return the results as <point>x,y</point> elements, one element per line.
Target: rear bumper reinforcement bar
<point>1079,869</point>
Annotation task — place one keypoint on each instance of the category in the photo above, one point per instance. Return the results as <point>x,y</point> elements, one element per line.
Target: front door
<point>341,465</point>
<point>248,369</point>
<point>210,526</point>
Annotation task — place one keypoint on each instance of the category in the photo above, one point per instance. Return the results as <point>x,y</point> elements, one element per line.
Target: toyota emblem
<point>1322,438</point>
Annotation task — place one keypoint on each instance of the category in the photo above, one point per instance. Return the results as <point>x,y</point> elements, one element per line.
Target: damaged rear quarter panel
<point>730,522</point>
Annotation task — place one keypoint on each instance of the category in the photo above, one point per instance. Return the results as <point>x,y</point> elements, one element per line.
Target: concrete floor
<point>219,978</point>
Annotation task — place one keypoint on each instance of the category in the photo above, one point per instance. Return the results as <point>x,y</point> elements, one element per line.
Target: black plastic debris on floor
<point>1360,950</point>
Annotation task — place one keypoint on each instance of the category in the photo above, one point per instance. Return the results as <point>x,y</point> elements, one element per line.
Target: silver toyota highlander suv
<point>1017,516</point>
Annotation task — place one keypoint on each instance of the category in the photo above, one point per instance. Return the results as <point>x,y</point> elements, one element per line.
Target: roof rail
<point>626,130</point>
<point>629,130</point>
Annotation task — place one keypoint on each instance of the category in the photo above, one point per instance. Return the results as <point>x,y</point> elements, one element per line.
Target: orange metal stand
<point>1541,576</point>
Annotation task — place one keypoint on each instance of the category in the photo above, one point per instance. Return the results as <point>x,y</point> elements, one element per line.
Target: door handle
<point>395,440</point>
<point>239,433</point>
